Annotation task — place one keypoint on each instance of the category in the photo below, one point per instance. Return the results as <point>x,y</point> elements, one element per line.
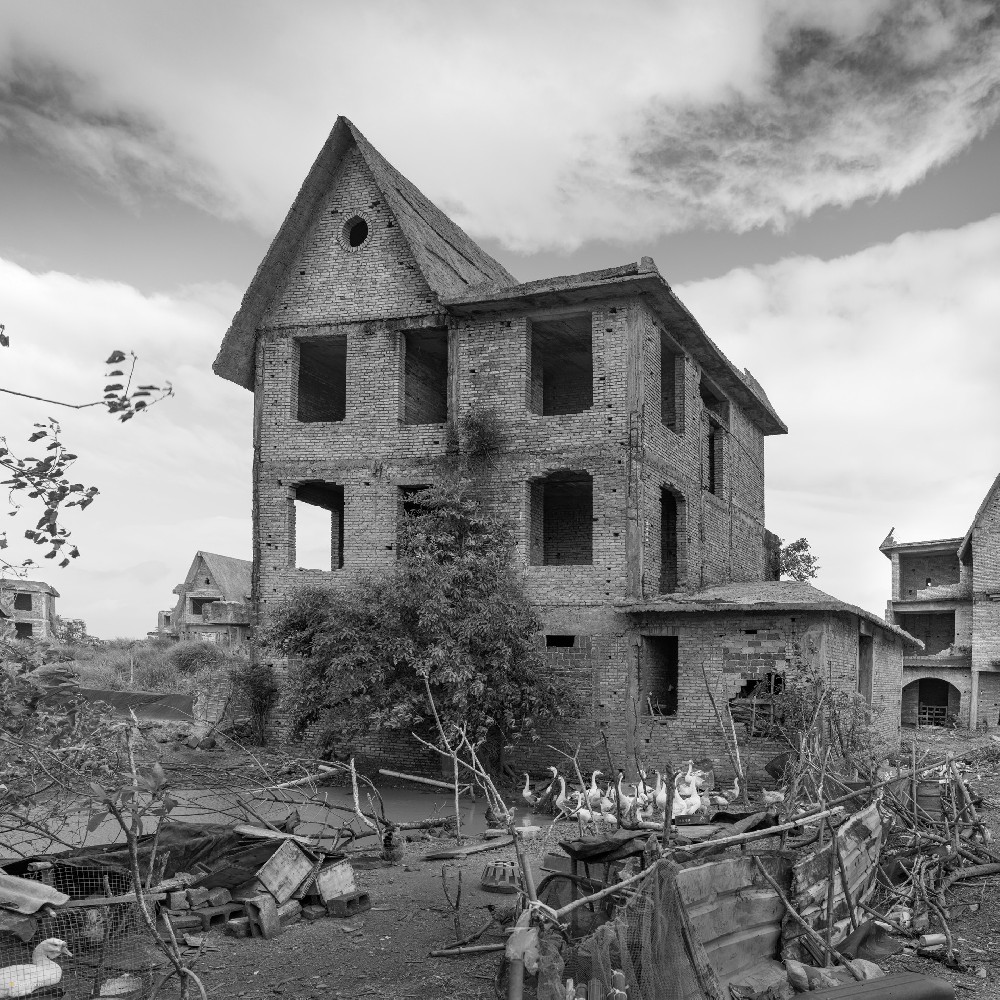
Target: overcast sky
<point>818,181</point>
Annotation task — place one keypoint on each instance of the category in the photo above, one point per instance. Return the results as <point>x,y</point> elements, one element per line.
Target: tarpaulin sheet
<point>145,704</point>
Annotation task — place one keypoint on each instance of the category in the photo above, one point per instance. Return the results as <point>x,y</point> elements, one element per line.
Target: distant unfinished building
<point>946,592</point>
<point>632,465</point>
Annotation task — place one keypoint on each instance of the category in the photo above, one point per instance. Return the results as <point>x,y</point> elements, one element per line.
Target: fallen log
<point>323,772</point>
<point>433,782</point>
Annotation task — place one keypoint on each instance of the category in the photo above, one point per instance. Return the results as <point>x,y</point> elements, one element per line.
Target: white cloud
<point>172,481</point>
<point>543,125</point>
<point>884,365</point>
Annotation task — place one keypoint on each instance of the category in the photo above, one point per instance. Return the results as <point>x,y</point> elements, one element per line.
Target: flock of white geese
<point>639,801</point>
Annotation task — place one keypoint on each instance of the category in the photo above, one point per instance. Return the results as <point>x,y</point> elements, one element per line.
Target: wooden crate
<point>285,871</point>
<point>335,880</point>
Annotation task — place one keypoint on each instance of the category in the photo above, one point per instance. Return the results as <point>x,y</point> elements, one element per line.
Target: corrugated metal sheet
<point>25,895</point>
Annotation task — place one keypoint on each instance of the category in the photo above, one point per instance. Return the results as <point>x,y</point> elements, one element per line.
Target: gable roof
<point>765,597</point>
<point>28,586</point>
<point>966,544</point>
<point>448,258</point>
<point>231,576</point>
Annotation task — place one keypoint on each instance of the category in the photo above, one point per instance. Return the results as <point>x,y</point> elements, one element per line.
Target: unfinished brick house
<point>28,609</point>
<point>213,602</point>
<point>633,458</point>
<point>947,593</point>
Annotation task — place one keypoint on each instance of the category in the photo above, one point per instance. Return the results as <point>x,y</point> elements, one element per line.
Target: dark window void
<point>671,541</point>
<point>22,602</point>
<point>671,386</point>
<point>425,377</point>
<point>714,443</point>
<point>753,704</point>
<point>407,507</point>
<point>866,660</point>
<point>658,674</point>
<point>560,640</point>
<point>562,520</point>
<point>561,372</point>
<point>23,630</point>
<point>936,700</point>
<point>322,379</point>
<point>318,526</point>
<point>198,604</point>
<point>714,401</point>
<point>935,630</point>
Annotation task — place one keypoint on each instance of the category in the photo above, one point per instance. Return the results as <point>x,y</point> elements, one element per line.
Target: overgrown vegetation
<point>452,610</point>
<point>255,685</point>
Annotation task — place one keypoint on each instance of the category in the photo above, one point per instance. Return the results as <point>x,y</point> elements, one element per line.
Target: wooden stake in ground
<point>734,755</point>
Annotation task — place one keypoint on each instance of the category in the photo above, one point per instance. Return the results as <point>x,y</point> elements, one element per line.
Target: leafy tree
<point>45,481</point>
<point>797,561</point>
<point>452,610</point>
<point>73,631</point>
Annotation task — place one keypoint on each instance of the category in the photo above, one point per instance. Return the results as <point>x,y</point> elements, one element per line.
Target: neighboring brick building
<point>633,458</point>
<point>28,609</point>
<point>213,602</point>
<point>947,593</point>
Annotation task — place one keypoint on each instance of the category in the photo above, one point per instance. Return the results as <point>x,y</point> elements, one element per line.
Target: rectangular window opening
<point>713,458</point>
<point>406,507</point>
<point>322,395</point>
<point>561,519</point>
<point>560,640</point>
<point>866,659</point>
<point>671,385</point>
<point>23,630</point>
<point>936,630</point>
<point>198,604</point>
<point>658,670</point>
<point>22,602</point>
<point>671,535</point>
<point>714,401</point>
<point>561,365</point>
<point>319,526</point>
<point>425,376</point>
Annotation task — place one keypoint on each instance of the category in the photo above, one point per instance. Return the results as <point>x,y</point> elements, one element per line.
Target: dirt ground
<point>384,952</point>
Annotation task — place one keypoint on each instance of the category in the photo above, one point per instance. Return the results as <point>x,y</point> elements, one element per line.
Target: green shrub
<point>257,685</point>
<point>189,657</point>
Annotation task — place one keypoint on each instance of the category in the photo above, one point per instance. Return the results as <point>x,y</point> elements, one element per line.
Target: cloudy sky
<point>817,181</point>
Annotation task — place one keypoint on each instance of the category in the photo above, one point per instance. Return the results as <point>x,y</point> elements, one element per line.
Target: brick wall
<point>915,569</point>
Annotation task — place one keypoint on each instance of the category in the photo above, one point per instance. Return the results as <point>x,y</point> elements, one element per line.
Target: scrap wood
<point>810,933</point>
<point>771,831</point>
<point>460,852</point>
<point>323,772</point>
<point>468,949</point>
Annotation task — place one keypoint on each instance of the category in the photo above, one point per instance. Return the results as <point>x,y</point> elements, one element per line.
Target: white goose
<point>593,793</point>
<point>660,793</point>
<point>23,980</point>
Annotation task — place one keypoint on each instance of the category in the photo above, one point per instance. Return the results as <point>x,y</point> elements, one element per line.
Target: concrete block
<point>198,897</point>
<point>219,897</point>
<point>290,912</point>
<point>349,905</point>
<point>238,927</point>
<point>178,900</point>
<point>311,912</point>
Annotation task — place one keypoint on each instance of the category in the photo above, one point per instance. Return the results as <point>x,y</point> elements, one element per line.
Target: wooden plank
<point>467,849</point>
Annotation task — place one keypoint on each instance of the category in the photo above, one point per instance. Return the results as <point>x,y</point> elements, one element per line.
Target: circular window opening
<point>356,231</point>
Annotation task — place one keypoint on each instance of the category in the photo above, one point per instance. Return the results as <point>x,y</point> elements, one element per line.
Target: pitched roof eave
<point>642,279</point>
<point>966,543</point>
